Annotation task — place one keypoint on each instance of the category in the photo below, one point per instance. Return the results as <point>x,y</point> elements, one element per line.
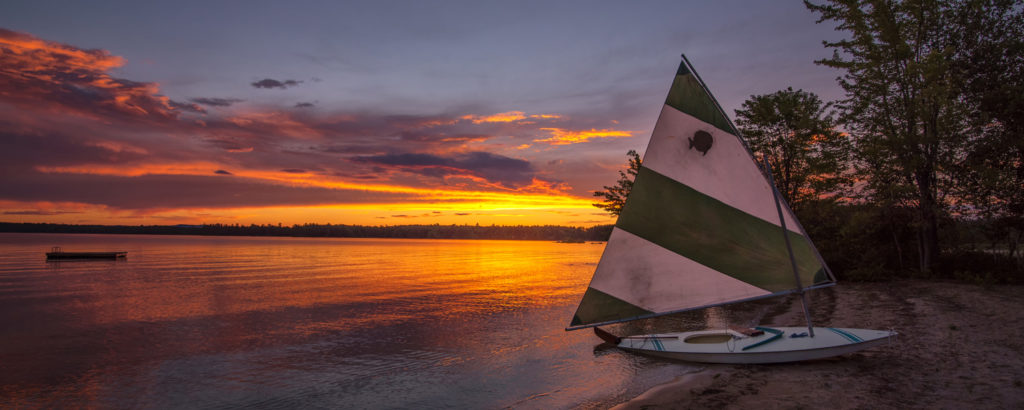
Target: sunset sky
<point>379,113</point>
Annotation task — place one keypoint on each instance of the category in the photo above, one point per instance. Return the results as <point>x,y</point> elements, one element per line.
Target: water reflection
<point>296,322</point>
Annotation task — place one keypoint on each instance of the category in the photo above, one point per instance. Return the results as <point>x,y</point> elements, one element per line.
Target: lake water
<point>231,322</point>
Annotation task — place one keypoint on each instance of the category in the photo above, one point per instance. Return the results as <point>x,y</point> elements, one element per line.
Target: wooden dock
<point>58,253</point>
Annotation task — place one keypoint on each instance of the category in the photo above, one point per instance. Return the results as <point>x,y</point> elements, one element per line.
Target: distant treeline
<point>436,231</point>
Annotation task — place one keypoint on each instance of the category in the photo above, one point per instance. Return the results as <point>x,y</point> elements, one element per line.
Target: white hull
<point>701,346</point>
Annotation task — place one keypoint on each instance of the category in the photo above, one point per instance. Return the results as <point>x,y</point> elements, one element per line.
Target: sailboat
<point>702,227</point>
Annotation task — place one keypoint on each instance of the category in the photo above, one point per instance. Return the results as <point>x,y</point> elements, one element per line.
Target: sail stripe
<point>688,96</point>
<point>716,235</point>
<point>635,273</point>
<point>724,171</point>
<point>599,306</point>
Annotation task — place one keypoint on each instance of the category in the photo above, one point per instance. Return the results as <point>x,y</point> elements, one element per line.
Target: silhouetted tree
<point>615,195</point>
<point>988,39</point>
<point>794,131</point>
<point>902,106</point>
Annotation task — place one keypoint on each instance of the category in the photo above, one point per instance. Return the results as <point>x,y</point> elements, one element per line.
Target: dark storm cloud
<point>272,83</point>
<point>509,172</point>
<point>216,102</point>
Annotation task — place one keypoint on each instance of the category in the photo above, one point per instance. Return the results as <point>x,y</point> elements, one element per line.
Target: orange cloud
<point>510,116</point>
<point>47,73</point>
<point>560,136</point>
<point>279,123</point>
<point>29,56</point>
<point>538,194</point>
<point>186,168</point>
<point>114,146</point>
<point>45,208</point>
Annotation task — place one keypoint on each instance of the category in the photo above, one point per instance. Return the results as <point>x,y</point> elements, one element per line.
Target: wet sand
<point>960,346</point>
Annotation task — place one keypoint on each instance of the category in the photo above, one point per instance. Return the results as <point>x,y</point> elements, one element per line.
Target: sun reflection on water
<point>299,322</point>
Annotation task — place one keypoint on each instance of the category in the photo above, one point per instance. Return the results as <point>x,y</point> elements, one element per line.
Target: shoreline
<point>957,348</point>
<point>542,233</point>
<point>678,390</point>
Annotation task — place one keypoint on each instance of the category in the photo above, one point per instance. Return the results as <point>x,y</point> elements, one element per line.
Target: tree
<point>902,107</point>
<point>989,69</point>
<point>615,196</point>
<point>795,133</point>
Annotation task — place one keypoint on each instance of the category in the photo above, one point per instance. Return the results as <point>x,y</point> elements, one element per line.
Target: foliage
<point>989,69</point>
<point>848,237</point>
<point>861,244</point>
<point>795,133</point>
<point>903,108</point>
<point>981,267</point>
<point>615,195</point>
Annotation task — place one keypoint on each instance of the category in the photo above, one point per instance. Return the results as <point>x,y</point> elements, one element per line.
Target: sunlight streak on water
<point>299,322</point>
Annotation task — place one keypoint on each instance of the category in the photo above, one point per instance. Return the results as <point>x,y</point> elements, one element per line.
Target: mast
<point>778,206</point>
<point>789,247</point>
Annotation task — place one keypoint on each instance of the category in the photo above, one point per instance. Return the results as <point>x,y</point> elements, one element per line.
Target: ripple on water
<point>297,322</point>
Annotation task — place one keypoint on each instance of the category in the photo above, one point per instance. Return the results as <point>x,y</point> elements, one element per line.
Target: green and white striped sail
<point>700,227</point>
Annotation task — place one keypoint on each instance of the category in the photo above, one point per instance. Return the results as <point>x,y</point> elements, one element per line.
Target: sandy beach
<point>960,346</point>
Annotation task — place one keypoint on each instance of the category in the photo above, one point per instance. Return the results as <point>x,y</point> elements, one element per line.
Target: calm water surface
<point>226,322</point>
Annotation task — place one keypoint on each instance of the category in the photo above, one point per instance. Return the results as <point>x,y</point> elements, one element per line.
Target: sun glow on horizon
<point>468,213</point>
<point>535,193</point>
<point>537,204</point>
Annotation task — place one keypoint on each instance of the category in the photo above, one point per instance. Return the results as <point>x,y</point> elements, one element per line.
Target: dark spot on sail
<point>702,141</point>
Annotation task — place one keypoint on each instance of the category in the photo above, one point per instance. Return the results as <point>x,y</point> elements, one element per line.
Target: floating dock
<point>58,253</point>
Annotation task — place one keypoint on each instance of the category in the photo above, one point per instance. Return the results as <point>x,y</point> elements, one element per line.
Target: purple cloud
<point>216,102</point>
<point>508,172</point>
<point>272,83</point>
